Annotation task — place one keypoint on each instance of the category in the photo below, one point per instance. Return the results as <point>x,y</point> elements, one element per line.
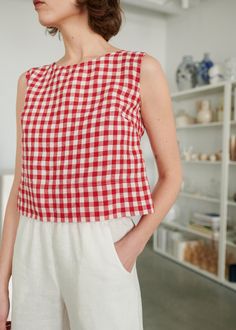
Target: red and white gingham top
<point>81,132</point>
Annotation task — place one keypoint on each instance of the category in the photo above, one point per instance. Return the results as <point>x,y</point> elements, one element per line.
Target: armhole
<point>27,76</point>
<point>141,54</point>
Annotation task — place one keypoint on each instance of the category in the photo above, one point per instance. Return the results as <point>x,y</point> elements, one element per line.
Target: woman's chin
<point>44,21</point>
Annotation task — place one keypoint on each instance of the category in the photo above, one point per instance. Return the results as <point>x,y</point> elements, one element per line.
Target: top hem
<point>135,216</point>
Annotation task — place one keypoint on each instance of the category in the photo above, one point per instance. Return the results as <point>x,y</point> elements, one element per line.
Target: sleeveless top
<point>81,131</point>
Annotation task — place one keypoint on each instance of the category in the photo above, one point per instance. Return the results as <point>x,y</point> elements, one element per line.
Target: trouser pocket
<point>117,229</point>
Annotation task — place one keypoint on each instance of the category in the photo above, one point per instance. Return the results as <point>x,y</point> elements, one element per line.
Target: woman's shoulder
<point>33,71</point>
<point>148,60</point>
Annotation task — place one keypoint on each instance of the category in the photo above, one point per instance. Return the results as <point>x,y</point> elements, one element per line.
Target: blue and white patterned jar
<point>186,73</point>
<point>202,70</point>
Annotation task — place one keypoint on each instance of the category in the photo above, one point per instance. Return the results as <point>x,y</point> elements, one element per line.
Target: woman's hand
<point>4,307</point>
<point>128,249</point>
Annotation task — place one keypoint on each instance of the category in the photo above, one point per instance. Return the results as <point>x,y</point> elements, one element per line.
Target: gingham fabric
<point>81,133</point>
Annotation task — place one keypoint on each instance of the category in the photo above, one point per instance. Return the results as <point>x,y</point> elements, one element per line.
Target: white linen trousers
<point>68,276</point>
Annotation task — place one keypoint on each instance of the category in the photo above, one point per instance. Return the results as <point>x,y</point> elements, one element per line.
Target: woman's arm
<point>159,122</point>
<point>11,217</point>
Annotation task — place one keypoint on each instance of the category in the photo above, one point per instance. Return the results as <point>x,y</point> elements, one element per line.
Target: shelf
<point>188,230</point>
<point>231,285</point>
<point>200,197</point>
<point>211,124</point>
<point>202,162</point>
<point>198,270</point>
<point>207,162</point>
<point>198,125</point>
<point>199,90</point>
<point>194,232</point>
<point>231,203</point>
<point>169,8</point>
<point>229,243</point>
<point>205,198</point>
<point>187,264</point>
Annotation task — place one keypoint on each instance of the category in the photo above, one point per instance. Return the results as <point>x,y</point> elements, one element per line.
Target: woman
<point>80,193</point>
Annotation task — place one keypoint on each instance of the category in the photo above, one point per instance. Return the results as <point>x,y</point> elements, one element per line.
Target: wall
<point>25,44</point>
<point>209,27</point>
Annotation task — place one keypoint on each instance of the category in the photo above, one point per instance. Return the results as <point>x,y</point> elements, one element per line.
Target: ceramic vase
<point>186,73</point>
<point>202,70</point>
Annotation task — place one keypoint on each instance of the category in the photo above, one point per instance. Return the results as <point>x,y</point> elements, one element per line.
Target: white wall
<point>209,27</point>
<point>24,44</point>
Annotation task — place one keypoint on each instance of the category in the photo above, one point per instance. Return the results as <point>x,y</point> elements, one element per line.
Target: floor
<point>176,298</point>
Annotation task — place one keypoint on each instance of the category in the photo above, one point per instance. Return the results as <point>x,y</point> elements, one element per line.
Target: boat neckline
<point>57,66</point>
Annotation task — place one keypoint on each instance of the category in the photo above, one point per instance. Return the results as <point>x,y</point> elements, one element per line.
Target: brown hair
<point>104,17</point>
